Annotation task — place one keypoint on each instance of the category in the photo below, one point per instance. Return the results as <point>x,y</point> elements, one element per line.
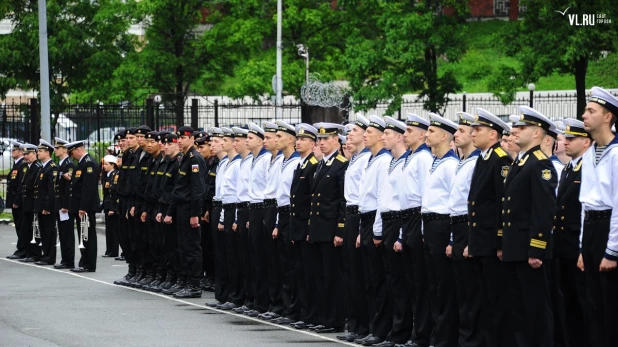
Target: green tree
<point>316,24</point>
<point>394,47</point>
<point>547,42</point>
<point>86,40</point>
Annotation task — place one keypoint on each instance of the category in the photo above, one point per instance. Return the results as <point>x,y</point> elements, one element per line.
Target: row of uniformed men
<point>48,198</point>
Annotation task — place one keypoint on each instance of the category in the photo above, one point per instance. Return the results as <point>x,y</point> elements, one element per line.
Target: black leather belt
<point>390,216</point>
<point>352,209</point>
<point>459,219</point>
<point>242,204</point>
<point>270,202</point>
<point>367,215</point>
<point>409,212</point>
<point>284,209</point>
<point>256,205</point>
<point>227,206</point>
<point>217,203</point>
<point>434,216</point>
<point>597,215</point>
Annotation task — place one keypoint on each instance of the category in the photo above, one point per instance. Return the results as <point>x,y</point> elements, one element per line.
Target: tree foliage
<point>86,39</point>
<point>546,42</point>
<point>394,47</point>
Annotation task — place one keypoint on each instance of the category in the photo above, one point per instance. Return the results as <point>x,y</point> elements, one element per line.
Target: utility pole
<point>44,71</point>
<point>279,77</point>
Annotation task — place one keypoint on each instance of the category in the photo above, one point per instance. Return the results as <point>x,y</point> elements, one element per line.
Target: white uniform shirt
<point>288,166</point>
<point>219,179</point>
<point>244,178</point>
<point>559,167</point>
<point>274,172</point>
<point>372,183</point>
<point>390,191</point>
<point>230,182</point>
<point>259,176</point>
<point>458,200</point>
<point>599,190</point>
<point>439,184</point>
<point>415,171</point>
<point>353,176</point>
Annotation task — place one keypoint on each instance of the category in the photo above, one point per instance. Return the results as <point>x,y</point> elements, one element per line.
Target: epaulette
<point>540,155</point>
<point>500,152</point>
<point>313,161</point>
<point>52,164</point>
<point>341,158</point>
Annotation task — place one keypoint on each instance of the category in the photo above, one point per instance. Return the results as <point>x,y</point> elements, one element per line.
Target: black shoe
<point>227,306</point>
<point>42,263</point>
<point>251,313</point>
<point>412,344</point>
<point>373,340</point>
<point>180,285</point>
<point>268,316</point>
<point>124,281</point>
<point>240,310</point>
<point>62,266</point>
<point>192,292</point>
<point>107,256</point>
<point>81,269</point>
<point>15,257</point>
<point>350,337</point>
<point>214,304</point>
<point>328,330</point>
<point>384,344</point>
<point>315,327</point>
<point>282,321</point>
<point>120,258</point>
<point>300,325</point>
<point>27,260</point>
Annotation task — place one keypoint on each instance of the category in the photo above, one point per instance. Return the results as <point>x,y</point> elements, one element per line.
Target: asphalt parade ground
<point>42,306</point>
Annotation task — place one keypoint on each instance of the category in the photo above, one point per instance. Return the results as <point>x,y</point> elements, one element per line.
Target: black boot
<point>169,281</point>
<point>145,282</point>
<point>193,290</point>
<point>156,284</point>
<point>136,277</point>
<point>124,280</point>
<point>178,286</point>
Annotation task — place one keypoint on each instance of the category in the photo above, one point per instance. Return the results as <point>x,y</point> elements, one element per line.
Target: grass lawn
<point>6,215</point>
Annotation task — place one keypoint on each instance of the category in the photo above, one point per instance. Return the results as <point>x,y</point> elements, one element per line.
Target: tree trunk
<point>581,67</point>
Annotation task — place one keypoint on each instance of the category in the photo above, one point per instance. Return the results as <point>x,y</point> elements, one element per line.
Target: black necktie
<point>320,166</point>
<point>568,169</point>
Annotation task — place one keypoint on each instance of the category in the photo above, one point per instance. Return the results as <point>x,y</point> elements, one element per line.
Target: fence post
<point>216,113</point>
<point>531,88</point>
<point>99,114</point>
<point>194,114</point>
<point>4,120</point>
<point>150,112</point>
<point>464,102</point>
<point>34,121</point>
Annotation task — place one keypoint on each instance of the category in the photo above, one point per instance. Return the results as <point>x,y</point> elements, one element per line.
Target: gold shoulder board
<point>500,152</point>
<point>341,158</point>
<point>540,155</point>
<point>313,161</point>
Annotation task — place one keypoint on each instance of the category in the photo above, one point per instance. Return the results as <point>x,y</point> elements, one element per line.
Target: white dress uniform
<point>353,176</point>
<point>372,183</point>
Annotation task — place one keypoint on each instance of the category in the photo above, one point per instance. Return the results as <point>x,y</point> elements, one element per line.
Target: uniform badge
<point>505,171</point>
<point>41,176</point>
<point>78,173</point>
<point>106,184</point>
<point>116,179</point>
<point>89,170</point>
<point>546,174</point>
<point>195,168</point>
<point>55,173</point>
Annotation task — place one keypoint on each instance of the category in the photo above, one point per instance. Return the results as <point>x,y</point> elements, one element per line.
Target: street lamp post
<point>304,52</point>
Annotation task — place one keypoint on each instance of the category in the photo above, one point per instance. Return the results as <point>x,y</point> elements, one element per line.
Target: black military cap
<point>201,141</point>
<point>142,130</point>
<point>152,135</point>
<point>120,135</point>
<point>170,138</point>
<point>130,131</point>
<point>185,131</point>
<point>161,134</point>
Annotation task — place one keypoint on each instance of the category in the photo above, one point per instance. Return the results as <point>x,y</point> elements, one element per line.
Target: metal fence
<point>96,122</point>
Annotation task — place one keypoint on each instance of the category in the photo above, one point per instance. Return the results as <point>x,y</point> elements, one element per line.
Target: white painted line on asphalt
<point>316,335</point>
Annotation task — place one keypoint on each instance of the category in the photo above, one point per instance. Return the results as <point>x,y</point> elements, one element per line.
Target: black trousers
<point>287,261</point>
<point>67,240</point>
<point>170,247</point>
<point>133,235</point>
<point>309,257</point>
<point>274,268</point>
<point>246,269</point>
<point>18,219</point>
<point>467,287</point>
<point>602,286</point>
<point>111,234</point>
<point>397,285</point>
<point>233,258</point>
<point>222,279</point>
<point>190,246</point>
<point>257,232</point>
<point>328,267</point>
<point>88,258</point>
<point>125,233</point>
<point>437,235</point>
<point>27,231</point>
<point>419,286</point>
<point>377,287</point>
<point>142,244</point>
<point>356,306</point>
<point>529,304</point>
<point>156,242</point>
<point>208,249</point>
<point>49,237</point>
<point>571,305</point>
